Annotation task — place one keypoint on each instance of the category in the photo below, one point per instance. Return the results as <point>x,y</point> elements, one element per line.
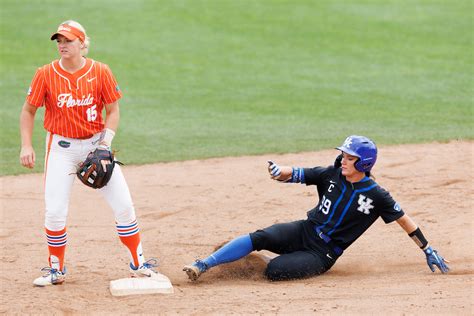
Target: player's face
<point>348,168</point>
<point>68,48</point>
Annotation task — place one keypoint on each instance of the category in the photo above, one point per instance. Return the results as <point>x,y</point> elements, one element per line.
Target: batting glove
<point>274,169</point>
<point>434,259</point>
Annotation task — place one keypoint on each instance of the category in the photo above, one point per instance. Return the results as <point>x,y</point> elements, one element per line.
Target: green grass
<point>223,78</point>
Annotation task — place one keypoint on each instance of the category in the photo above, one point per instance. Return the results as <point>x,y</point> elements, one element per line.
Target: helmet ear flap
<point>358,165</point>
<point>365,165</point>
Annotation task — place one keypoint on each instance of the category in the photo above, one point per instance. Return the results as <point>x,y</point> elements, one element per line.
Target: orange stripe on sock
<point>132,242</point>
<point>50,141</point>
<point>56,251</point>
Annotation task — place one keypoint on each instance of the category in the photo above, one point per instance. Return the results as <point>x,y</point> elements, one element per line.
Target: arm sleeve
<point>37,90</point>
<point>389,209</point>
<point>110,88</point>
<point>314,176</point>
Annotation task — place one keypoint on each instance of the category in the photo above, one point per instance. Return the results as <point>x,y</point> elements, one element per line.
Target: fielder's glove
<point>433,258</point>
<point>97,169</point>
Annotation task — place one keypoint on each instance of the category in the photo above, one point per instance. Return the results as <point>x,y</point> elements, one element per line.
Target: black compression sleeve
<point>418,238</point>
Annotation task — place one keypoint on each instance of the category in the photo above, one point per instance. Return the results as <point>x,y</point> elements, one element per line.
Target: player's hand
<point>104,162</point>
<point>434,259</point>
<point>273,169</point>
<point>27,157</point>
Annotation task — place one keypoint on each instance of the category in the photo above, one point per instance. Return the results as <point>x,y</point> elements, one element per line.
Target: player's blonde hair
<point>87,41</point>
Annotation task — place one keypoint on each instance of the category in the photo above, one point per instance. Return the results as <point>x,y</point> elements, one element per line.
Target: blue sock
<point>233,250</point>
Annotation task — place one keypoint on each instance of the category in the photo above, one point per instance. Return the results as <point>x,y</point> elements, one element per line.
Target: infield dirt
<point>186,209</point>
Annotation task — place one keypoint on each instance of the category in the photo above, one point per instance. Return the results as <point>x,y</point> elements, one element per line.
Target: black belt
<point>337,250</point>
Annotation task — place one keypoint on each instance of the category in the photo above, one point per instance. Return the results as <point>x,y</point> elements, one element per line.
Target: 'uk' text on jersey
<point>365,204</point>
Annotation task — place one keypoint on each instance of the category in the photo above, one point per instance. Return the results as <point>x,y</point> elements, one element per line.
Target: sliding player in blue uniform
<point>350,201</point>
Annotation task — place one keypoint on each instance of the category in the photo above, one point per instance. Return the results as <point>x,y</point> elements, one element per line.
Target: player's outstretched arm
<point>432,257</point>
<point>285,173</point>
<point>27,122</point>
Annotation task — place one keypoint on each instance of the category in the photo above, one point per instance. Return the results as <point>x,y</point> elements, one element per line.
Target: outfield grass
<point>223,78</point>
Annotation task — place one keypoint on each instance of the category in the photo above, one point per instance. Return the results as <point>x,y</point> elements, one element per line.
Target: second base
<point>133,286</point>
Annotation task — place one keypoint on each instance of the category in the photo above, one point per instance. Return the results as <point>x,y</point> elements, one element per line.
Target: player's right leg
<point>233,250</point>
<point>278,238</point>
<point>60,163</point>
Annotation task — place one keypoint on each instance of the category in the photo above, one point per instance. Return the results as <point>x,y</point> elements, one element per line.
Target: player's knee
<point>276,272</point>
<point>281,269</point>
<point>125,215</point>
<point>54,222</point>
<point>261,240</point>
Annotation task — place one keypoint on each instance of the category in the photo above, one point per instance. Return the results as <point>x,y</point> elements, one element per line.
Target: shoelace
<point>150,263</point>
<point>49,270</point>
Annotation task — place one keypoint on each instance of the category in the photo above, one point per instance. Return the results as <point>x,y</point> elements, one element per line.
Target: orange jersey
<point>74,102</point>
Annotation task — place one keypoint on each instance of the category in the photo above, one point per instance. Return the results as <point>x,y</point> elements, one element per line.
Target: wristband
<point>107,137</point>
<point>418,238</point>
<point>297,175</point>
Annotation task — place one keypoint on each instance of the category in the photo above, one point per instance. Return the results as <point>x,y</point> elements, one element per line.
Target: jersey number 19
<point>325,205</point>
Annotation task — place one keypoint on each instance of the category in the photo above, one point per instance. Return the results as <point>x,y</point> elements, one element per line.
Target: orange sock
<point>57,241</point>
<point>129,234</point>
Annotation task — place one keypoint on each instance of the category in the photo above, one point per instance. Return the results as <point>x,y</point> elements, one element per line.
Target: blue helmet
<point>363,148</point>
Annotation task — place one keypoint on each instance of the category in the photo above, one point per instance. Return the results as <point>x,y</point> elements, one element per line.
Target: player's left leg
<point>296,265</point>
<point>117,195</point>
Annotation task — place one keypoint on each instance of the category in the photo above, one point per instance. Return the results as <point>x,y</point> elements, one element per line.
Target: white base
<point>132,286</point>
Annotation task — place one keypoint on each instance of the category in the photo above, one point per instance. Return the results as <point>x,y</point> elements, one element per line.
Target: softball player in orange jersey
<point>74,91</point>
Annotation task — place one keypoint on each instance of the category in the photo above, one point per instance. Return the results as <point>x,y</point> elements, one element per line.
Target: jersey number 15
<point>92,113</point>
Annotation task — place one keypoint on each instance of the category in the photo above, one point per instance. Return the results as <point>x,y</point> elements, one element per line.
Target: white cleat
<point>145,270</point>
<point>52,277</point>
